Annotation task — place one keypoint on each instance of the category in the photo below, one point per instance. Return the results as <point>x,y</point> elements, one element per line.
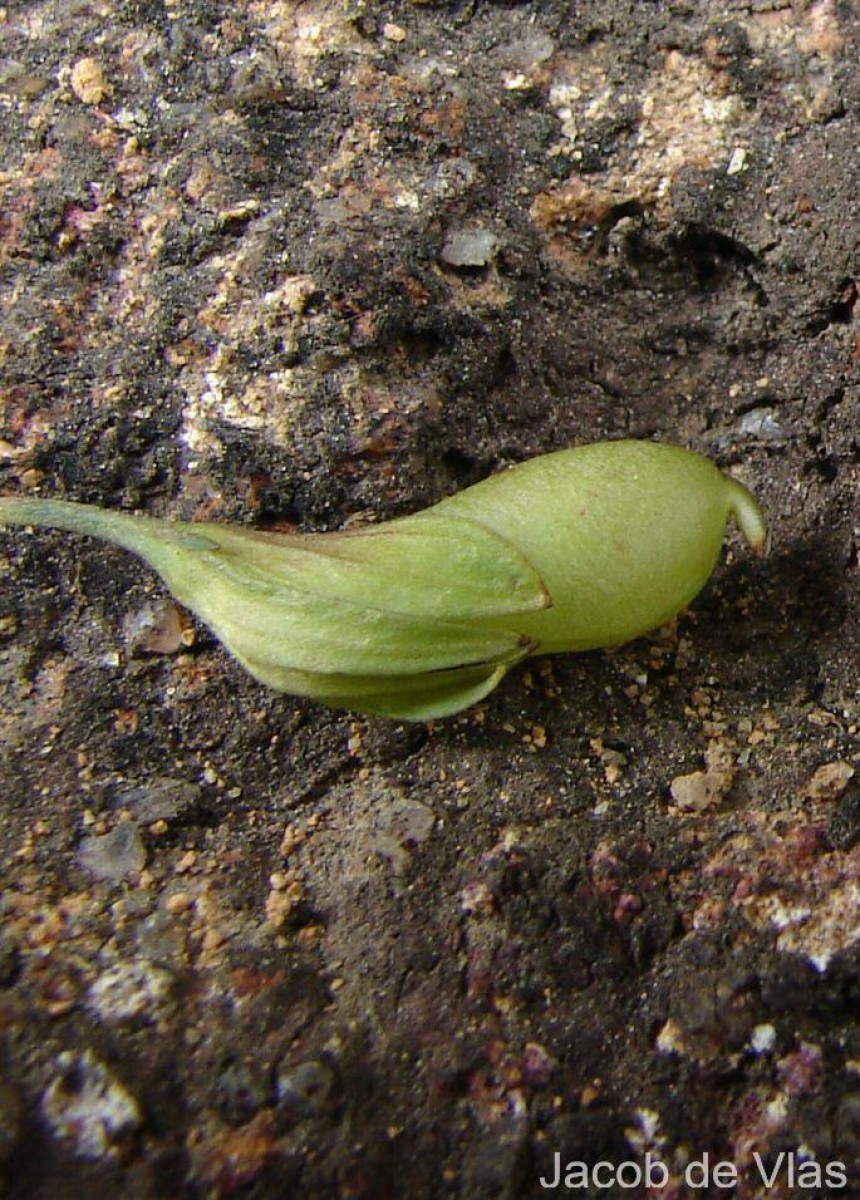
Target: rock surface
<point>343,958</point>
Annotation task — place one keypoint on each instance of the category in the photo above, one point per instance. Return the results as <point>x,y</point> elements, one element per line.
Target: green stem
<point>140,535</point>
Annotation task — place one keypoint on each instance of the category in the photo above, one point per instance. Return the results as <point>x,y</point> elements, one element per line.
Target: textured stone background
<point>299,263</point>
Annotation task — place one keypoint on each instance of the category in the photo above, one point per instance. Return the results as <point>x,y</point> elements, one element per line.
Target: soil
<point>298,265</point>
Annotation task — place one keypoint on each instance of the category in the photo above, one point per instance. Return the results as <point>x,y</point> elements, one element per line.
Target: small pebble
<point>130,989</point>
<point>88,81</point>
<point>178,903</point>
<point>162,799</point>
<point>87,1107</point>
<point>115,856</point>
<point>469,248</point>
<point>830,780</point>
<point>305,1090</point>
<point>762,423</point>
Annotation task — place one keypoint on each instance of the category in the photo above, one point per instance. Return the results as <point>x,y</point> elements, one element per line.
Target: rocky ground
<point>304,264</point>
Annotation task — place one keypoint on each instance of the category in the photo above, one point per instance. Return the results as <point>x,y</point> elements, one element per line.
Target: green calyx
<point>422,617</point>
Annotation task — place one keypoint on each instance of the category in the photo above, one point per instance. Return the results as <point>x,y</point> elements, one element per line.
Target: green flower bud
<point>422,616</point>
